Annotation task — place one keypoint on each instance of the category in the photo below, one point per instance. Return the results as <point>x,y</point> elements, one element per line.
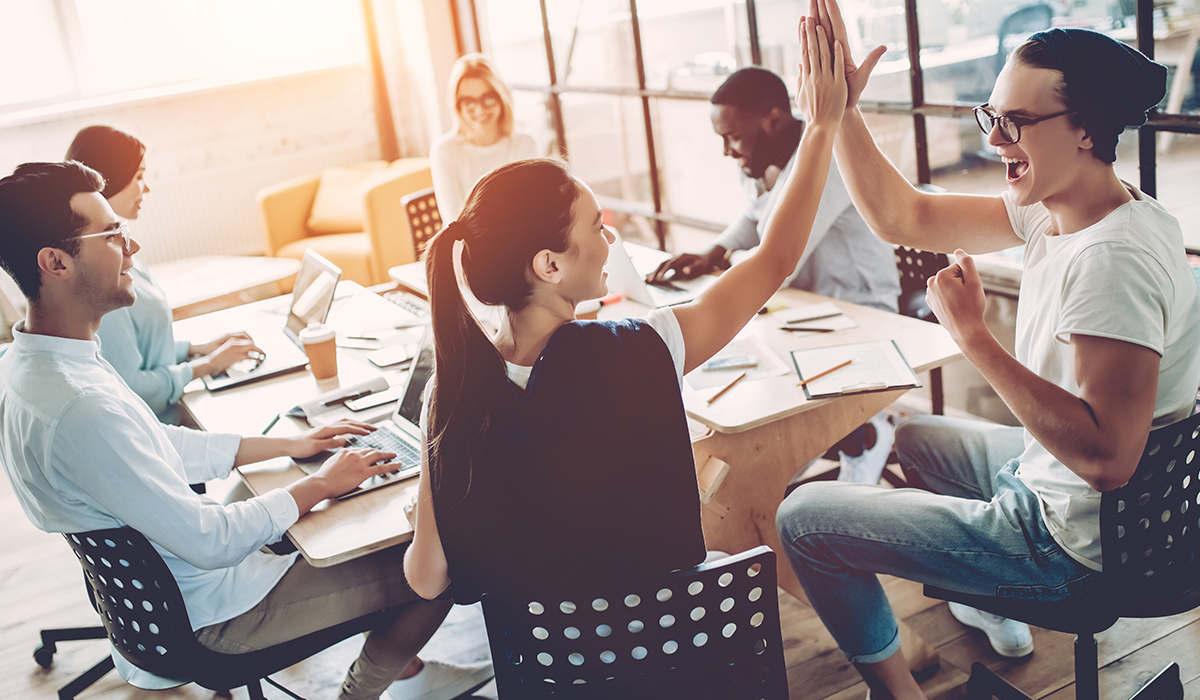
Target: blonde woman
<point>483,137</point>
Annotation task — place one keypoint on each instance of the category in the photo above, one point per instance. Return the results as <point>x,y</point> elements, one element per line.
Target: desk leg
<point>741,514</point>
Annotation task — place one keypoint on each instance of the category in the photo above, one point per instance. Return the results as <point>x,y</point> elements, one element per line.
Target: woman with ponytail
<point>557,452</point>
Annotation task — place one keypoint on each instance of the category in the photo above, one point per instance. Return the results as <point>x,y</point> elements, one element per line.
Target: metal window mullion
<point>555,103</point>
<point>660,230</point>
<point>752,22</point>
<point>1147,135</point>
<point>916,79</point>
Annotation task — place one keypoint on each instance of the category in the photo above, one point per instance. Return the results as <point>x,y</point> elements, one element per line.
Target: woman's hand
<point>328,437</point>
<point>828,16</point>
<point>822,91</point>
<point>211,346</point>
<point>235,348</point>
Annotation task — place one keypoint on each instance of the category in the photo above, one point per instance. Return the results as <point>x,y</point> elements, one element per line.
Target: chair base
<point>986,683</point>
<point>44,656</point>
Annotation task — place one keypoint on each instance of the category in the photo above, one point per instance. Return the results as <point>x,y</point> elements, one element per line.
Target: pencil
<point>822,374</point>
<point>728,386</point>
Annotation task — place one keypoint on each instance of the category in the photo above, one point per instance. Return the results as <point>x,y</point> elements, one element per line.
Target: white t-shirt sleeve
<point>664,321</point>
<point>1114,290</point>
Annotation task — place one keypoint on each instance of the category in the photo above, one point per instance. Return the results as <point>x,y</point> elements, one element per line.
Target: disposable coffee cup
<point>320,345</point>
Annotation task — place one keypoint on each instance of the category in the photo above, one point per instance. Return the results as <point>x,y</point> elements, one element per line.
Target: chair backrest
<point>138,599</point>
<point>423,218</point>
<point>710,632</point>
<point>1150,528</point>
<point>915,267</point>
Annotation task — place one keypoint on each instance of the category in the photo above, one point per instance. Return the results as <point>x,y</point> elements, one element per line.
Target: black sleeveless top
<point>586,477</point>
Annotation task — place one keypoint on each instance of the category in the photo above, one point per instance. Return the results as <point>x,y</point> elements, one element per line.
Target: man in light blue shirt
<point>84,452</point>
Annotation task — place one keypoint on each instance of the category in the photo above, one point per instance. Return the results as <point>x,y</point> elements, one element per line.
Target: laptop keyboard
<point>407,462</point>
<point>413,304</point>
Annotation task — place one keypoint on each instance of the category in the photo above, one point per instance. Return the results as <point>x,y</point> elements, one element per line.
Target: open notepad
<point>874,366</point>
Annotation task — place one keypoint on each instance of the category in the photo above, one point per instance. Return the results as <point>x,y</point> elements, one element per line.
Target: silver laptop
<point>312,297</point>
<point>401,433</point>
<point>628,265</point>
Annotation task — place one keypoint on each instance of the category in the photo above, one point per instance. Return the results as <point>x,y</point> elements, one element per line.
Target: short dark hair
<point>752,88</point>
<point>113,153</point>
<point>36,213</point>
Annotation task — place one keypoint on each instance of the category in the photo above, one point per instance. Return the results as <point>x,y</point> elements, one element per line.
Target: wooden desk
<point>766,430</point>
<point>334,531</point>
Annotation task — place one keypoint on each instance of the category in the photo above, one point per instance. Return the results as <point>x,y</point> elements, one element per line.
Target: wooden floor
<point>42,587</point>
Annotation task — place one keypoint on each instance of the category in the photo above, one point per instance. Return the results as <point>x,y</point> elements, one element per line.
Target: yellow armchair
<point>364,256</point>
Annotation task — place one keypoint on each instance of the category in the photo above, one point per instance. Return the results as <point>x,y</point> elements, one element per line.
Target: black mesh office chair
<point>44,653</point>
<point>1016,27</point>
<point>707,633</point>
<point>147,622</point>
<point>423,218</point>
<point>915,268</point>
<point>1150,539</point>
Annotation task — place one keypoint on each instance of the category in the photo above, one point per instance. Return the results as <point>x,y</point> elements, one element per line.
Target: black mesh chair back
<point>710,632</point>
<point>1017,25</point>
<point>147,622</point>
<point>1150,542</point>
<point>423,218</point>
<point>915,267</point>
<point>1150,528</point>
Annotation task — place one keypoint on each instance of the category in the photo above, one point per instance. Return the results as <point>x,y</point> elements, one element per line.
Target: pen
<point>810,330</point>
<point>728,386</point>
<point>822,374</point>
<point>272,423</point>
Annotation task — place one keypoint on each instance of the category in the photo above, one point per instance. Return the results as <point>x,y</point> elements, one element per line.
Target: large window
<point>57,51</point>
<point>621,87</point>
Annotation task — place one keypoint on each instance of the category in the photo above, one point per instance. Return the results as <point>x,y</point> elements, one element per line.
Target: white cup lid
<point>316,333</point>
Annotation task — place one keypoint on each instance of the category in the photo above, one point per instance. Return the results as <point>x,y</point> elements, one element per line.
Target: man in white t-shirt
<point>1107,328</point>
<point>83,452</point>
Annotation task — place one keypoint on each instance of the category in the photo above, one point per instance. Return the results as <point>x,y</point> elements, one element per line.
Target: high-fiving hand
<point>828,16</point>
<point>821,94</point>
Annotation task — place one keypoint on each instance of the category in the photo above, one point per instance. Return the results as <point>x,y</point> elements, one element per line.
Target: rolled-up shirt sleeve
<point>111,464</point>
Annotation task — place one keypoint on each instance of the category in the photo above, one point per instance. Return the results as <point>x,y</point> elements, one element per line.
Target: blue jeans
<point>981,533</point>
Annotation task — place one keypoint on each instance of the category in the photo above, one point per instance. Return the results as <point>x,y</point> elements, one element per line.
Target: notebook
<point>627,277</point>
<point>873,366</point>
<point>312,297</point>
<point>401,433</point>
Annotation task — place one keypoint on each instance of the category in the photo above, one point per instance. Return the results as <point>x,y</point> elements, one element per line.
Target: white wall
<point>209,152</point>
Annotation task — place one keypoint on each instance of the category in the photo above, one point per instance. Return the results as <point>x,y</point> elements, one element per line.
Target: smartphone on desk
<point>392,355</point>
<point>377,399</point>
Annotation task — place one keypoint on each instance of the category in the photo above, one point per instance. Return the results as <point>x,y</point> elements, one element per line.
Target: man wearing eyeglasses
<point>83,452</point>
<point>1108,322</point>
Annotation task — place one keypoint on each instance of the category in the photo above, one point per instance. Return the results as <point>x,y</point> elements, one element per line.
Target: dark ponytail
<point>512,213</point>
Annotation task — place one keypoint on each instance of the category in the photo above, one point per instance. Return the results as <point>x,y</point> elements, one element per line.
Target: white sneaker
<point>1008,637</point>
<point>440,681</point>
<point>868,467</point>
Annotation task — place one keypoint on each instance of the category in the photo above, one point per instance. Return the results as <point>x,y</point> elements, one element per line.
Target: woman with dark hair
<point>557,451</point>
<point>138,340</point>
<point>1108,322</point>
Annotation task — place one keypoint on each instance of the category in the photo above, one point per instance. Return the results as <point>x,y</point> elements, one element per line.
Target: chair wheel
<point>43,656</point>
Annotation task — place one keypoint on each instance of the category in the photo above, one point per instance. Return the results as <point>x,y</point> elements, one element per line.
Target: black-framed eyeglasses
<point>487,100</point>
<point>122,231</point>
<point>1010,127</point>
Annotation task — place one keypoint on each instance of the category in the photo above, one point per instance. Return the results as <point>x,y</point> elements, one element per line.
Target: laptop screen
<point>312,294</point>
<point>419,372</point>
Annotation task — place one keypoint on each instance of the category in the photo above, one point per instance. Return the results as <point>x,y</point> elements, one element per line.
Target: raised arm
<point>893,208</point>
<point>711,321</point>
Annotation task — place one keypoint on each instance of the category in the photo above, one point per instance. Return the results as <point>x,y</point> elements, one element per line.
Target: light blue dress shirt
<point>139,343</point>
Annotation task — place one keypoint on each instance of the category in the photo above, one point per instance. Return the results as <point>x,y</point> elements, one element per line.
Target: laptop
<point>627,277</point>
<point>401,433</point>
<point>312,297</point>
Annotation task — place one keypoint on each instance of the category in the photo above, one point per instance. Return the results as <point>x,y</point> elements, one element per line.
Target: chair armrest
<point>384,217</point>
<point>284,209</point>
